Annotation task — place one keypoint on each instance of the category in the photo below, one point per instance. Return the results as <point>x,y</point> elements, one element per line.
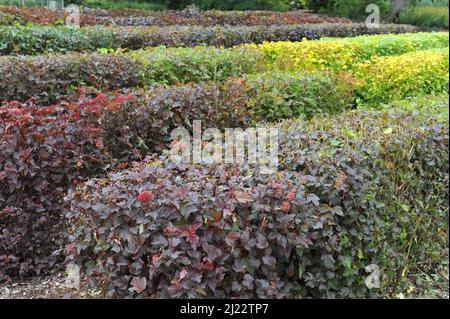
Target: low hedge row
<point>133,17</point>
<point>82,137</point>
<point>365,188</point>
<point>44,150</point>
<point>347,53</point>
<point>425,107</point>
<point>51,76</point>
<point>150,115</point>
<point>231,36</point>
<point>199,64</point>
<point>385,79</point>
<point>210,17</point>
<point>31,40</point>
<point>34,40</point>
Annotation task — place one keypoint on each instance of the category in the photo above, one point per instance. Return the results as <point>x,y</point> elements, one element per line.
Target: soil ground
<point>435,286</point>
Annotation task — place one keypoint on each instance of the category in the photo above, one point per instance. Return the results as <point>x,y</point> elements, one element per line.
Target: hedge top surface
<point>347,53</point>
<point>34,39</point>
<point>165,18</point>
<point>51,76</point>
<point>384,79</point>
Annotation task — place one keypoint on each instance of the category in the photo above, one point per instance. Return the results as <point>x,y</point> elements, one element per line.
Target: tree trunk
<point>395,7</point>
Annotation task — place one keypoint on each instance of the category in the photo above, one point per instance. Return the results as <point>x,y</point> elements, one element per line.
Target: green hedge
<point>281,95</point>
<point>426,107</point>
<point>51,76</point>
<point>150,115</point>
<point>199,64</point>
<point>33,40</point>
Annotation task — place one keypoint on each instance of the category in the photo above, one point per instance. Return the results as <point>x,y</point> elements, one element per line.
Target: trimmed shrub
<point>425,107</point>
<point>209,18</point>
<point>7,19</point>
<point>346,54</point>
<point>144,123</point>
<point>34,40</point>
<point>347,195</point>
<point>132,17</point>
<point>44,151</point>
<point>199,64</point>
<point>49,78</point>
<point>40,39</point>
<point>34,15</point>
<point>385,79</point>
<point>229,36</point>
<point>52,77</point>
<point>280,95</point>
<point>124,5</point>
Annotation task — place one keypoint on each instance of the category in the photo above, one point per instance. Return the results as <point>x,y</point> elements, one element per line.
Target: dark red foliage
<point>44,151</point>
<point>306,231</point>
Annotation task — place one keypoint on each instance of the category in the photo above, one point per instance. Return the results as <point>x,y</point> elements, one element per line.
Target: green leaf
<point>347,262</point>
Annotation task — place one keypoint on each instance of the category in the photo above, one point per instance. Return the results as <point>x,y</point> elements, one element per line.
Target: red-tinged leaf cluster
<point>51,78</point>
<point>237,232</point>
<point>136,17</point>
<point>145,197</point>
<point>44,151</point>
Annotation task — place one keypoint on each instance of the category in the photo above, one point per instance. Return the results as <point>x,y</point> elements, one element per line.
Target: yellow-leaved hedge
<point>384,79</point>
<point>347,53</point>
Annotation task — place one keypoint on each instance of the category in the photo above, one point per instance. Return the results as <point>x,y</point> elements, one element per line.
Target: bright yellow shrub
<point>384,79</point>
<point>346,54</point>
<point>312,55</point>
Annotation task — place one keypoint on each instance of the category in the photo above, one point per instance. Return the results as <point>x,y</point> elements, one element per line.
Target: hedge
<point>150,115</point>
<point>199,64</point>
<point>425,106</point>
<point>80,138</point>
<point>347,53</point>
<point>384,79</point>
<point>279,95</point>
<point>132,17</point>
<point>211,18</point>
<point>44,150</point>
<point>51,76</point>
<point>33,39</point>
<point>352,190</point>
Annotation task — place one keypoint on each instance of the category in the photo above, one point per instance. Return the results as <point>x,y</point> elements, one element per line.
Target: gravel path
<point>56,287</point>
<point>50,287</point>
